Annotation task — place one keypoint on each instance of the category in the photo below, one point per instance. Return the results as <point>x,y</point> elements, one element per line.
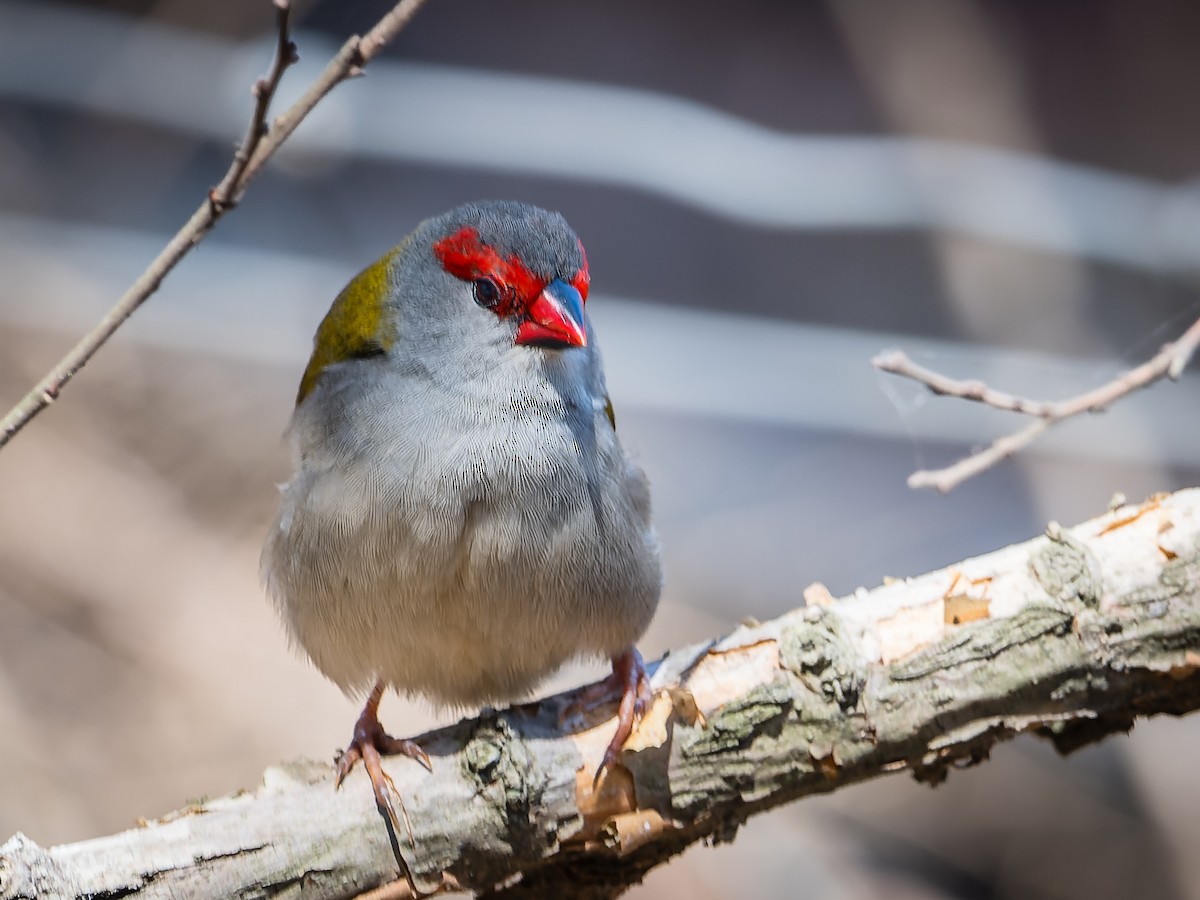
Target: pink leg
<point>370,743</point>
<point>630,674</point>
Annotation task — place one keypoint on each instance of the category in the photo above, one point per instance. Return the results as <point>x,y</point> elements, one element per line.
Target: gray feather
<point>463,519</point>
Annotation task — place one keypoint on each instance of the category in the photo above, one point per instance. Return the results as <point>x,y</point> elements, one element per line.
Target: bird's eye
<point>487,294</point>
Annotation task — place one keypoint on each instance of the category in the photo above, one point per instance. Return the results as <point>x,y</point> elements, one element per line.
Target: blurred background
<point>770,193</point>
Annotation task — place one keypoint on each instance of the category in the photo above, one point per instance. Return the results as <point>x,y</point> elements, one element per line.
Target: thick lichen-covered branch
<point>1070,636</point>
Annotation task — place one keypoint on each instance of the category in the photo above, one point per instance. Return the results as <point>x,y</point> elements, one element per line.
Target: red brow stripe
<point>582,279</point>
<point>464,256</point>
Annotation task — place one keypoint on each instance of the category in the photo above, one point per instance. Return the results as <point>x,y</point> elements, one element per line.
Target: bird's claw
<point>630,673</point>
<point>370,744</point>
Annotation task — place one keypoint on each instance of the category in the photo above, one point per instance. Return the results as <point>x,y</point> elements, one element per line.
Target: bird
<point>462,519</point>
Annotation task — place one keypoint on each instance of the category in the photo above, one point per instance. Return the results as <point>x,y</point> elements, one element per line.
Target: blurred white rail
<point>695,154</point>
<point>264,306</point>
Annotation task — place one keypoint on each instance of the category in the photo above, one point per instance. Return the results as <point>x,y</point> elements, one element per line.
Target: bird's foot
<point>370,744</point>
<point>629,672</point>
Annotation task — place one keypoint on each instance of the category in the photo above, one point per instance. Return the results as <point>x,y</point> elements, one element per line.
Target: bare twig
<point>1071,636</point>
<point>257,147</point>
<point>1169,362</point>
<point>223,196</point>
<point>899,363</point>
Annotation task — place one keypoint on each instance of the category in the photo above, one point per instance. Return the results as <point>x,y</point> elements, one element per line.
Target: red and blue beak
<point>554,319</point>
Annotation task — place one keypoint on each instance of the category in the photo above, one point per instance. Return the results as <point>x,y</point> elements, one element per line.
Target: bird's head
<point>485,275</point>
<point>524,265</point>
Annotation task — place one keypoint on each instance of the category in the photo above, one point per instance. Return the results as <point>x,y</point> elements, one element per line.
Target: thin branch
<point>259,145</point>
<point>1070,636</point>
<point>899,363</point>
<point>945,480</point>
<point>1169,362</point>
<point>226,194</point>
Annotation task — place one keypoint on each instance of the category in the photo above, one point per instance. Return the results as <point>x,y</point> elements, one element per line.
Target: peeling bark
<point>1071,636</point>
